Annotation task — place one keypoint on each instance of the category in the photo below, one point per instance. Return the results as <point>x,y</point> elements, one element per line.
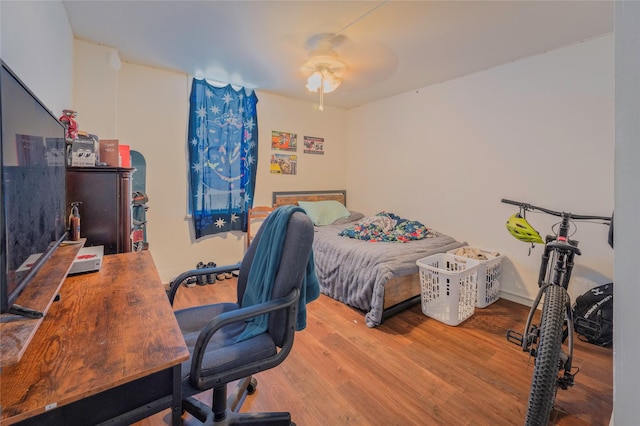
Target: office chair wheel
<point>251,388</point>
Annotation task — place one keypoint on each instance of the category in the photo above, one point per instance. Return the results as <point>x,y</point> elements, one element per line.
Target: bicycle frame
<point>560,250</point>
<point>544,341</point>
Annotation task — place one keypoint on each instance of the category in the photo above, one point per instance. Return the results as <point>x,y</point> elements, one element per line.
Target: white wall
<point>626,374</point>
<point>152,108</point>
<point>447,154</point>
<point>147,108</point>
<point>37,43</point>
<point>95,89</point>
<point>315,172</point>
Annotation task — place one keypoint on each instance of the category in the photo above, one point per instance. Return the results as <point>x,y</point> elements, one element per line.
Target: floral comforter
<point>386,227</point>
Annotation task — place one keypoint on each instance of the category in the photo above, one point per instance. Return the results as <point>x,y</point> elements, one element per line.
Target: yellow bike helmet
<point>520,228</point>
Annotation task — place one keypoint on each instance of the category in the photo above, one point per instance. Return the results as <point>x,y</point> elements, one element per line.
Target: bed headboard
<point>292,197</point>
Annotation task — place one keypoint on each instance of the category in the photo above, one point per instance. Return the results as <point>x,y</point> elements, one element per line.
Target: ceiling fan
<point>325,69</point>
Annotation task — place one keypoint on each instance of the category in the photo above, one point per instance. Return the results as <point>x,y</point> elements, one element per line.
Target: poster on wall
<point>284,164</point>
<point>313,145</point>
<point>284,141</point>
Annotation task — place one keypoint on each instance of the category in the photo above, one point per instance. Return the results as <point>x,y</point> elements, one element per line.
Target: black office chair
<point>211,331</point>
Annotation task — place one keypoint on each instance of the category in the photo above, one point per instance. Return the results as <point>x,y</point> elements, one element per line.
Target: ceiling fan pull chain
<point>321,107</point>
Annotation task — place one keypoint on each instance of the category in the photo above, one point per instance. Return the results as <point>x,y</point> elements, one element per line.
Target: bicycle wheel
<point>547,361</point>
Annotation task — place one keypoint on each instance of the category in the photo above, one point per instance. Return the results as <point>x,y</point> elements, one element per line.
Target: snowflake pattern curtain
<point>223,157</point>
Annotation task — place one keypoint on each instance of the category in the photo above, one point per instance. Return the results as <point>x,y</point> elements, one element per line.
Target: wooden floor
<point>412,370</point>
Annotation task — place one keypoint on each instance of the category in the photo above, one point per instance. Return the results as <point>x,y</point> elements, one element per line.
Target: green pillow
<point>324,212</point>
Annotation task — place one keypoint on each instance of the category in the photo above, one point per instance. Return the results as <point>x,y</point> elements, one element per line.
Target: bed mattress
<point>355,272</point>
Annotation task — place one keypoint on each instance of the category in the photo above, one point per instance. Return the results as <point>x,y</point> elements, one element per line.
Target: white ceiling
<point>390,47</point>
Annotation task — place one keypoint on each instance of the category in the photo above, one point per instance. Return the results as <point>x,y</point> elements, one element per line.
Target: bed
<point>380,279</point>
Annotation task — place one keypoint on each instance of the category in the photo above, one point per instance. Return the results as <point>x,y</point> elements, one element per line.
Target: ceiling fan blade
<point>368,63</point>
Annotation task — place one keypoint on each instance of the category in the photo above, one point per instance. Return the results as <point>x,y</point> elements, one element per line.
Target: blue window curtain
<point>223,157</point>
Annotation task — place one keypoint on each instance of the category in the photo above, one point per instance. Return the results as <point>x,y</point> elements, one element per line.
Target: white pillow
<point>324,212</point>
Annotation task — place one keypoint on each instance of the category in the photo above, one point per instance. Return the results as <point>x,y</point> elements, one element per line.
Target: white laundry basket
<point>489,275</point>
<point>448,287</point>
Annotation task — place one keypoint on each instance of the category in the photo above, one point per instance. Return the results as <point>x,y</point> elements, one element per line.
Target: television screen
<point>33,191</point>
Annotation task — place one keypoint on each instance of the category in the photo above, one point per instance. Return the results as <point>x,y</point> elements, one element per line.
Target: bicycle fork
<point>529,339</point>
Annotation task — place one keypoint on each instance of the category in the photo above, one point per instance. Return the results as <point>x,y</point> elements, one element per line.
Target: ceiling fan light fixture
<point>324,68</point>
<point>330,82</point>
<point>323,78</point>
<point>314,81</point>
<point>323,81</point>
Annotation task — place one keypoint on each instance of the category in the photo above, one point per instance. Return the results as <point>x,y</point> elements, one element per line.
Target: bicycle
<point>546,342</point>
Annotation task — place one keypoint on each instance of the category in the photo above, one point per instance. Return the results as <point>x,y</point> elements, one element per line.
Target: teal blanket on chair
<point>263,271</point>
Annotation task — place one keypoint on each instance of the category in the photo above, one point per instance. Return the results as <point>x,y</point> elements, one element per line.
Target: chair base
<point>226,413</point>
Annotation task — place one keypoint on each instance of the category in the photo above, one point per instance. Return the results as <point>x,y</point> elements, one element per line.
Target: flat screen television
<point>33,191</point>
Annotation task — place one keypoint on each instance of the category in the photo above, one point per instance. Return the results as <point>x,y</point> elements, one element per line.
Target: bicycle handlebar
<point>527,206</point>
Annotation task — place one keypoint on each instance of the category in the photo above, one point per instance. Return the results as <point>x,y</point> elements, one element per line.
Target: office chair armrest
<point>289,301</point>
<point>173,289</point>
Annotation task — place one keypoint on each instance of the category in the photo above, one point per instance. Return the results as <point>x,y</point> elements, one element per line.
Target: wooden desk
<point>108,351</point>
<point>17,331</point>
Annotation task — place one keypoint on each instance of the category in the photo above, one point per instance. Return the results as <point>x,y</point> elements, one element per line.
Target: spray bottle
<point>74,221</point>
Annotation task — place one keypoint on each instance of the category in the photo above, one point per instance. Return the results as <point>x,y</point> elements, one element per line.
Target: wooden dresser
<point>105,212</point>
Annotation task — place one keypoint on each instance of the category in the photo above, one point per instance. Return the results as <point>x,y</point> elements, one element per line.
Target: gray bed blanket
<point>355,272</point>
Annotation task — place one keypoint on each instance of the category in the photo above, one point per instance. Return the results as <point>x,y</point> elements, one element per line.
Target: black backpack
<point>593,315</point>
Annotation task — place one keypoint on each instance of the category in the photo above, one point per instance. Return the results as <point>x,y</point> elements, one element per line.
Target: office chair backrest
<point>292,269</point>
